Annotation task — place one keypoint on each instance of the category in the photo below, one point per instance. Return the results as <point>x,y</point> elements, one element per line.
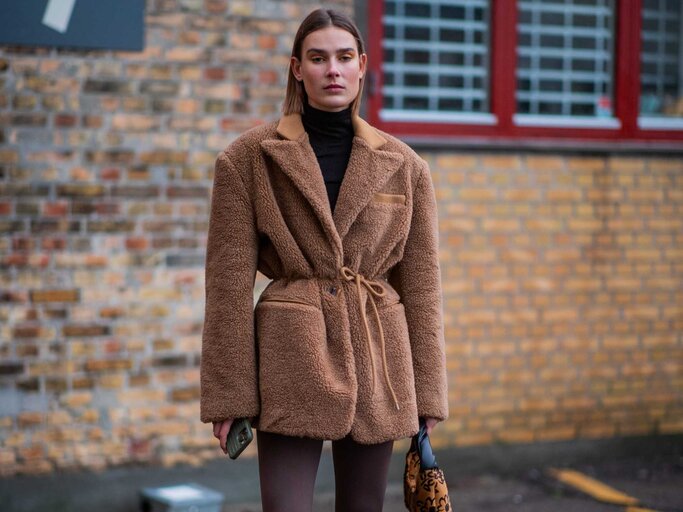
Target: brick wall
<point>563,284</point>
<point>106,165</point>
<point>562,274</point>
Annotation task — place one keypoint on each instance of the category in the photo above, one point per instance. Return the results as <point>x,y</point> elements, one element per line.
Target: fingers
<point>220,432</point>
<point>223,434</point>
<point>430,423</point>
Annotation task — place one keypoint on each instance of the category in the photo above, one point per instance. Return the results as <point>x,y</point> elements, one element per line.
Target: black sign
<point>106,24</point>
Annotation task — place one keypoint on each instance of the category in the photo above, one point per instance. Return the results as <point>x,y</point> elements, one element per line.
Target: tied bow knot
<point>374,289</point>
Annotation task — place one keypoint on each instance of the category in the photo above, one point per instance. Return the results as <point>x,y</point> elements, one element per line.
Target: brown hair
<point>318,19</point>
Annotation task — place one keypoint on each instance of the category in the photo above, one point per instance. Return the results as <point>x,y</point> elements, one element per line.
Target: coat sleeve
<point>417,278</point>
<point>229,373</point>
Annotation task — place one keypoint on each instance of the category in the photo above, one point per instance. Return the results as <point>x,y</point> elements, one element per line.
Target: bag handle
<point>424,447</point>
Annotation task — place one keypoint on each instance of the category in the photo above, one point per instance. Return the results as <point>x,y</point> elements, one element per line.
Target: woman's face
<point>330,68</point>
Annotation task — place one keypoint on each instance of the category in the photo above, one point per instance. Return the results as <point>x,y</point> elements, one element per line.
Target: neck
<point>311,110</point>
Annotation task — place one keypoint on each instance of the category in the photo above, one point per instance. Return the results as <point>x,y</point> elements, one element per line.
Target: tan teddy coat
<point>348,337</point>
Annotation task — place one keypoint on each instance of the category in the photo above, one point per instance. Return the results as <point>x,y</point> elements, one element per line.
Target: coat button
<point>333,290</point>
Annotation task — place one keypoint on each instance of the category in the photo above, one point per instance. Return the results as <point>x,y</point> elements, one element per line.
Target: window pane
<point>437,55</point>
<point>660,59</point>
<point>565,57</point>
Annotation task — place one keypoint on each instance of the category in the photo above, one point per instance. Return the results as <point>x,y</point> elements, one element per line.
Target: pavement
<point>497,478</point>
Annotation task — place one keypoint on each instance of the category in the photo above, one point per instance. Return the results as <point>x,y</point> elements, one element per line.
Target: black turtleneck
<point>331,136</point>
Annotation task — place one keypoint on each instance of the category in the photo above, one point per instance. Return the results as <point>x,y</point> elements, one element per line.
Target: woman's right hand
<point>220,432</point>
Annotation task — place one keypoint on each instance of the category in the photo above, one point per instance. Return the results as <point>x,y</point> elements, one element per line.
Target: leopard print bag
<point>424,484</point>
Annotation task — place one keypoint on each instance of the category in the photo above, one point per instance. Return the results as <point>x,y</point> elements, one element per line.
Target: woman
<point>346,341</point>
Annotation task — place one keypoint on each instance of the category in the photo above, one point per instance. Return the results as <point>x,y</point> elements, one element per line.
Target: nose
<point>333,68</point>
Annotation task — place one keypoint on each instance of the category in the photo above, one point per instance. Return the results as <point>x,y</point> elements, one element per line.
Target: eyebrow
<point>324,52</point>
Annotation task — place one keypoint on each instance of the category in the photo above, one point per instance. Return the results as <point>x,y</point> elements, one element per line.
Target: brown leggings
<point>288,467</point>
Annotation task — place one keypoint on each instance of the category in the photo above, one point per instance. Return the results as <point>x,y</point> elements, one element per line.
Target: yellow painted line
<point>594,488</point>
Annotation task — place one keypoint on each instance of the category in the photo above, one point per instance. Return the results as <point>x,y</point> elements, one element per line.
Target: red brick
<point>28,350</point>
<point>544,163</point>
<point>110,174</point>
<point>186,394</point>
<point>110,226</point>
<point>214,73</point>
<point>23,244</point>
<point>137,244</point>
<point>92,121</point>
<point>186,54</point>
<point>107,208</point>
<point>563,195</point>
<point>9,156</point>
<point>268,77</point>
<point>138,380</point>
<point>267,42</point>
<point>30,419</point>
<point>477,194</point>
<point>112,312</point>
<point>134,122</point>
<point>43,296</point>
<point>509,162</point>
<point>96,260</point>
<point>215,6</point>
<point>80,190</point>
<point>221,91</point>
<point>65,120</point>
<point>85,330</point>
<point>128,122</point>
<point>505,225</point>
<point>99,365</point>
<point>163,157</point>
<point>185,192</point>
<point>56,209</point>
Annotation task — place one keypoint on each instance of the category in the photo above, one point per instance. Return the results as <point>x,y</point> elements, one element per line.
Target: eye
<point>317,59</point>
<point>346,57</point>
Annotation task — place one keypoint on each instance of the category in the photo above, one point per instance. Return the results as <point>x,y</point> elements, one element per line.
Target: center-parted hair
<point>318,19</point>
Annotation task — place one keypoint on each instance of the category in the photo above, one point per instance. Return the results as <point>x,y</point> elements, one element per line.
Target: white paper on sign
<point>179,493</point>
<point>58,14</point>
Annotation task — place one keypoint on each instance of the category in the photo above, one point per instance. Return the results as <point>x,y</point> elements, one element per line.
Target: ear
<point>295,64</point>
<point>363,62</point>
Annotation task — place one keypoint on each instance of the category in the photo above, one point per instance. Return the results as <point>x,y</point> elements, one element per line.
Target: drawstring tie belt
<point>375,289</point>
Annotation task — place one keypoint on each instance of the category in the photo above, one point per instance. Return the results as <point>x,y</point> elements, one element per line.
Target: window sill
<point>542,145</point>
<point>567,121</point>
<point>437,117</point>
<point>660,123</point>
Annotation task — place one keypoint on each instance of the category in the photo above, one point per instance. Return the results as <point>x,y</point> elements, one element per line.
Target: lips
<point>334,86</point>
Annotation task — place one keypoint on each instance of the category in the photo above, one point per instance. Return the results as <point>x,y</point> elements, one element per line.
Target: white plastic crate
<point>189,497</point>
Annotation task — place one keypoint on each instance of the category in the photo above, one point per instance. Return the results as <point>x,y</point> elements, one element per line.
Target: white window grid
<point>555,75</point>
<point>661,74</point>
<point>432,88</point>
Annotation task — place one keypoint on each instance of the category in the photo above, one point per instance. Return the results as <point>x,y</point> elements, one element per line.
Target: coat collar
<point>369,168</point>
<point>291,127</point>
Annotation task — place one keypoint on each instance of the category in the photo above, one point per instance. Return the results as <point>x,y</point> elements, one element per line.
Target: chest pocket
<point>382,197</point>
<point>380,225</point>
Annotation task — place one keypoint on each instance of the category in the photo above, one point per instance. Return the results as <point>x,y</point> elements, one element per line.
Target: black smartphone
<point>239,437</point>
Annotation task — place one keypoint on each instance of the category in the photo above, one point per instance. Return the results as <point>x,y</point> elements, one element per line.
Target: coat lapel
<point>298,161</point>
<point>368,170</point>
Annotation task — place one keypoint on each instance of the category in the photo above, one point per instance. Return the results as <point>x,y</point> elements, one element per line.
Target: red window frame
<point>503,84</point>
